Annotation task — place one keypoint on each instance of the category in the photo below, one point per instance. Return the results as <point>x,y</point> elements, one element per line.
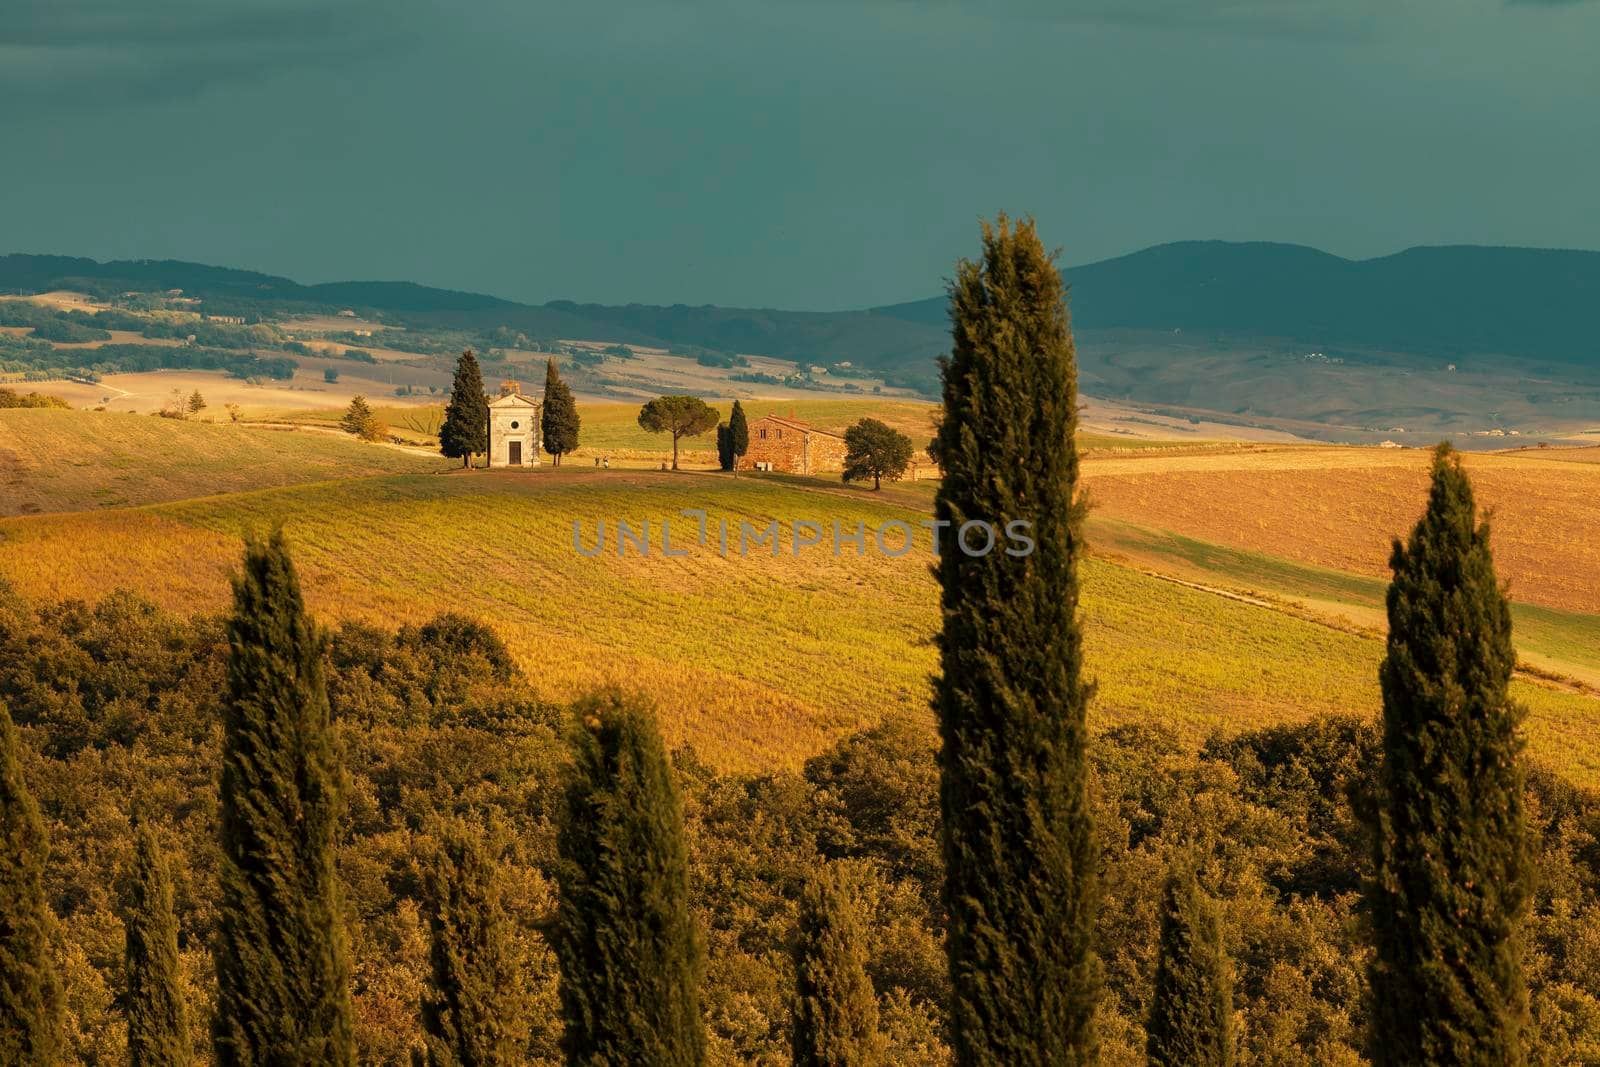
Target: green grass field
<point>82,460</point>
<point>757,660</point>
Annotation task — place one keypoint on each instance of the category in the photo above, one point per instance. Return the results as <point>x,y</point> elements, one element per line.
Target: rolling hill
<point>1426,342</point>
<point>758,660</point>
<point>1525,304</point>
<point>54,461</point>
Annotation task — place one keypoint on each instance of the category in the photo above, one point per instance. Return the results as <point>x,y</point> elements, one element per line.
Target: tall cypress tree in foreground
<point>631,961</point>
<point>559,424</point>
<point>465,431</point>
<point>282,971</point>
<point>30,990</point>
<point>1191,1022</point>
<point>472,1014</point>
<point>835,1011</point>
<point>158,1022</point>
<point>1018,847</point>
<point>738,435</point>
<point>725,457</point>
<point>1453,851</point>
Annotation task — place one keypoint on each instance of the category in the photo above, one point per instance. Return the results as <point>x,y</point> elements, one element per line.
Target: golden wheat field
<point>757,661</point>
<point>1339,508</point>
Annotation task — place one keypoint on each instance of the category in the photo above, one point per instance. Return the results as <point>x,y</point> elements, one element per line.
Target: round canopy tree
<point>681,416</point>
<point>875,450</point>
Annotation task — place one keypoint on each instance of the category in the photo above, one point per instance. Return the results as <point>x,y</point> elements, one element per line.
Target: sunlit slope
<point>611,428</point>
<point>1339,508</point>
<point>1548,639</point>
<point>53,460</point>
<point>756,660</point>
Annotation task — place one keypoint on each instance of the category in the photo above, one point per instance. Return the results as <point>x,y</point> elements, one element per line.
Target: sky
<point>806,154</point>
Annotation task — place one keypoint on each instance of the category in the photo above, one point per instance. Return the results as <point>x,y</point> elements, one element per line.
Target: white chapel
<point>513,428</point>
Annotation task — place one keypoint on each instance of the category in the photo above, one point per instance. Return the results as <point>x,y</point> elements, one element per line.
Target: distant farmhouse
<point>513,428</point>
<point>791,446</point>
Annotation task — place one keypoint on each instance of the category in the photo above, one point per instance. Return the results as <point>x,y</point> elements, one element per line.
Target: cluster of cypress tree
<point>559,423</point>
<point>1453,866</point>
<point>631,960</point>
<point>1453,856</point>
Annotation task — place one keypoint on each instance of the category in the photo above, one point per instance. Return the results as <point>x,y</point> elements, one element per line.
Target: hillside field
<point>611,428</point>
<point>757,661</point>
<point>1339,508</point>
<point>52,460</point>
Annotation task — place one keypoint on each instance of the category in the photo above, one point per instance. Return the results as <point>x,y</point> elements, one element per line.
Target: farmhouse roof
<point>803,427</point>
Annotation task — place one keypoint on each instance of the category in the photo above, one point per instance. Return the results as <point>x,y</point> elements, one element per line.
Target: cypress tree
<point>560,421</point>
<point>631,961</point>
<point>1191,1023</point>
<point>1018,847</point>
<point>835,1011</point>
<point>471,1013</point>
<point>465,432</point>
<point>738,434</point>
<point>725,456</point>
<point>1453,872</point>
<point>158,1021</point>
<point>30,990</point>
<point>282,970</point>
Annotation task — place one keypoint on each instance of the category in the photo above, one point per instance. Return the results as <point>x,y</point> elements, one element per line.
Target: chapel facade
<point>513,428</point>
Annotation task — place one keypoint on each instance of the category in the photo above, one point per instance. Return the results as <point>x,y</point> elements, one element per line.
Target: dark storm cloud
<point>1296,18</point>
<point>789,153</point>
<point>1327,19</point>
<point>109,51</point>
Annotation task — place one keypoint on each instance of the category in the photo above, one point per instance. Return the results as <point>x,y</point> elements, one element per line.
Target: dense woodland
<point>118,706</point>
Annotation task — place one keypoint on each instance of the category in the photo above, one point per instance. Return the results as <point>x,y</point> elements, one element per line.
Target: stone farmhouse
<point>513,428</point>
<point>792,446</point>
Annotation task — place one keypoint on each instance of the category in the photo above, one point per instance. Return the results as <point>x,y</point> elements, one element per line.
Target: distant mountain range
<point>1523,303</point>
<point>1499,310</point>
<point>1530,303</point>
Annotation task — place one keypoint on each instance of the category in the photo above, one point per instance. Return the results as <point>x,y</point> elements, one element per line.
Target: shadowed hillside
<point>1429,341</point>
<point>1526,303</point>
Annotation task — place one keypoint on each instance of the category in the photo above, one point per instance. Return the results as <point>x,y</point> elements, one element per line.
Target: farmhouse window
<point>763,433</point>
